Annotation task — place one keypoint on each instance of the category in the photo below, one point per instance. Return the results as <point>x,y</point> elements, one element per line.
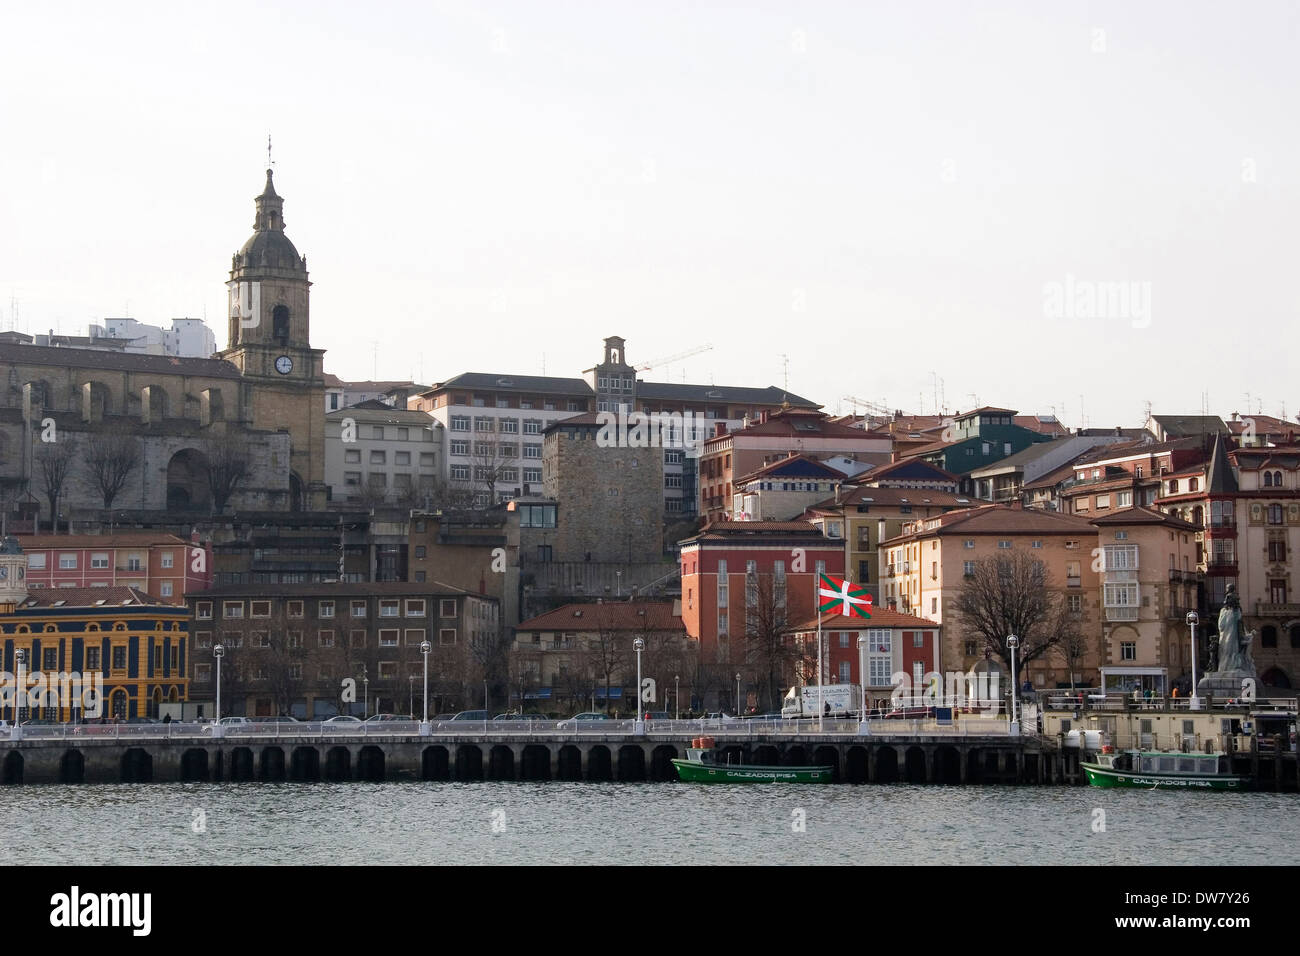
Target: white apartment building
<point>375,453</point>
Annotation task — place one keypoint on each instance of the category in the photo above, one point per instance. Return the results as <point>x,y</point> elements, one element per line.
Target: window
<point>968,569</point>
<point>1123,594</point>
<point>358,608</point>
<point>1121,557</point>
<point>1074,603</point>
<point>325,638</point>
<point>232,609</point>
<point>968,543</point>
<point>972,648</point>
<point>1004,544</point>
<point>1277,591</point>
<point>447,607</point>
<point>532,475</point>
<point>845,673</point>
<point>388,637</point>
<point>447,636</point>
<point>1124,499</point>
<point>420,551</point>
<point>460,423</point>
<point>532,426</point>
<point>1128,651</point>
<point>378,457</point>
<point>352,479</point>
<point>99,561</point>
<point>67,562</point>
<point>532,451</point>
<point>483,425</point>
<point>325,609</point>
<point>165,589</point>
<point>203,610</point>
<point>1274,514</point>
<point>119,658</point>
<point>134,563</point>
<point>460,472</point>
<point>92,656</point>
<point>1268,636</point>
<point>35,562</point>
<point>203,639</point>
<point>460,446</point>
<point>295,639</point>
<point>389,607</point>
<point>295,609</point>
<point>509,426</point>
<point>357,638</point>
<point>259,609</point>
<point>415,607</point>
<point>402,458</point>
<point>414,636</point>
<point>1277,550</point>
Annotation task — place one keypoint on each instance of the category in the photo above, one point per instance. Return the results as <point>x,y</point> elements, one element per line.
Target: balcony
<point>1121,613</point>
<point>1221,564</point>
<point>1276,610</point>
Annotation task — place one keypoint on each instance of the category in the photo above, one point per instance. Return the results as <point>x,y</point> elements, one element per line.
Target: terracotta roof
<point>89,597</point>
<point>1140,515</point>
<point>610,615</point>
<point>1001,519</point>
<point>800,423</point>
<point>896,496</point>
<point>123,539</point>
<point>1264,425</point>
<point>880,617</point>
<point>1046,425</point>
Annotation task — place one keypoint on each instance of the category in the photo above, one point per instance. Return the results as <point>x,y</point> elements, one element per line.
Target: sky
<point>1067,207</point>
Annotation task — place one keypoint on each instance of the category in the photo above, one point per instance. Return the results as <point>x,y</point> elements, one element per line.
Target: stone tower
<point>613,380</point>
<point>270,343</point>
<point>13,573</point>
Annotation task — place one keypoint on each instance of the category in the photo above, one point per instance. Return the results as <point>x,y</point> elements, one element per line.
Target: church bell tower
<point>270,343</point>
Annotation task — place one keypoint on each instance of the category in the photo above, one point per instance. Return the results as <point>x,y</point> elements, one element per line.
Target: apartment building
<point>301,650</point>
<point>375,453</point>
<point>161,565</point>
<point>923,569</point>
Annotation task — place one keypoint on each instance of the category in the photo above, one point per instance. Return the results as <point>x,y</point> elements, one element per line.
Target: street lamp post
<point>425,729</point>
<point>1013,642</point>
<point>365,701</point>
<point>410,694</point>
<point>677,697</point>
<point>862,675</point>
<point>737,693</point>
<point>218,652</point>
<point>20,656</point>
<point>1192,620</point>
<point>638,645</point>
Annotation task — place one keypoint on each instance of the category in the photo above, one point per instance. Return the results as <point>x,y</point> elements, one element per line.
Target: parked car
<point>508,717</point>
<point>471,715</point>
<point>445,717</point>
<point>588,715</point>
<point>343,719</point>
<point>282,719</point>
<point>382,718</point>
<point>229,723</point>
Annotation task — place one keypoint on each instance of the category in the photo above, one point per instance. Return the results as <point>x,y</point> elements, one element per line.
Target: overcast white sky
<point>882,192</point>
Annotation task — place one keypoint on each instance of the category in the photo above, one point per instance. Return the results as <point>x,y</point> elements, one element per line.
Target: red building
<point>892,643</point>
<point>747,577</point>
<point>161,565</point>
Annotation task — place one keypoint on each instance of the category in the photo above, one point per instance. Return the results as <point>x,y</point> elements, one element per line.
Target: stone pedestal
<point>1226,685</point>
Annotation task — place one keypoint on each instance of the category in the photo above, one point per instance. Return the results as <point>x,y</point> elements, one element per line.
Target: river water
<point>568,823</point>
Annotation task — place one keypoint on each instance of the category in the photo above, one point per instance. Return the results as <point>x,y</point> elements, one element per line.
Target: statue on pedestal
<point>1234,642</point>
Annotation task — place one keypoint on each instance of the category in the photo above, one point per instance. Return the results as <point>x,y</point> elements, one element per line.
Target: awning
<point>613,692</point>
<point>540,694</point>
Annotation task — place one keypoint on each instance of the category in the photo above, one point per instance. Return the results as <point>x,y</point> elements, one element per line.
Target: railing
<point>1221,562</point>
<point>1221,521</point>
<point>725,728</point>
<point>1276,610</point>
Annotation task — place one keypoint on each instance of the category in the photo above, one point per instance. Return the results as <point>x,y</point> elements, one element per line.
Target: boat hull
<point>694,771</point>
<point>1100,776</point>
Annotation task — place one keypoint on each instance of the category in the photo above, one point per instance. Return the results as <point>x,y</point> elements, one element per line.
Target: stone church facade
<point>263,397</point>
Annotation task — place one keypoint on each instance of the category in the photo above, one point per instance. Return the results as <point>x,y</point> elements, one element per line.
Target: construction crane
<point>874,407</point>
<point>673,358</point>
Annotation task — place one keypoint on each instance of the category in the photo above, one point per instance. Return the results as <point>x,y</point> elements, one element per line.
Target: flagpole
<point>821,708</point>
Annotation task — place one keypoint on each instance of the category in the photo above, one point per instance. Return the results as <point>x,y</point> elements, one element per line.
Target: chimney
<point>1119,432</point>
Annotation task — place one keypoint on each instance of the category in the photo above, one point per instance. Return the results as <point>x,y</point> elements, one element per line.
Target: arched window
<point>1295,635</point>
<point>1268,636</point>
<point>280,324</point>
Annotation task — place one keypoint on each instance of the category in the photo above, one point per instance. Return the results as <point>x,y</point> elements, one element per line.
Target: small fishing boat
<point>701,766</point>
<point>1163,769</point>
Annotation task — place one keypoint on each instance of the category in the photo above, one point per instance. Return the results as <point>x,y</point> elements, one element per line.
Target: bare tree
<point>609,650</point>
<point>228,466</point>
<point>768,649</point>
<point>12,491</point>
<point>111,457</point>
<point>54,461</point>
<point>492,463</point>
<point>1012,594</point>
<point>1073,645</point>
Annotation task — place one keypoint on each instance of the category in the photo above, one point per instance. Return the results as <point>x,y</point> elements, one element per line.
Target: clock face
<point>284,365</point>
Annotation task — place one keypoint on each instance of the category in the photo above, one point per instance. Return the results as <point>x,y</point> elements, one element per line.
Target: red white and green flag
<point>841,597</point>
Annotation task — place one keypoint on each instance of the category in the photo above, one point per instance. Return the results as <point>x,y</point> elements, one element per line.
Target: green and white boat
<point>1163,769</point>
<point>701,766</point>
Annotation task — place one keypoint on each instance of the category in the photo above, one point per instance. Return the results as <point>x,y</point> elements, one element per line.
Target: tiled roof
<point>117,361</point>
<point>910,470</point>
<point>1001,519</point>
<point>982,409</point>
<point>795,466</point>
<point>880,617</point>
<point>922,497</point>
<point>800,423</point>
<point>491,381</point>
<point>1182,425</point>
<point>1139,515</point>
<point>123,539</point>
<point>610,615</point>
<point>117,596</point>
<point>736,395</point>
<point>1134,448</point>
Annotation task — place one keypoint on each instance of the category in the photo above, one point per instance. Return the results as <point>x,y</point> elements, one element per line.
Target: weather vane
<point>269,161</point>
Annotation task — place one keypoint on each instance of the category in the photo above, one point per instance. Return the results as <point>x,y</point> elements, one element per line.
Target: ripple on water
<point>575,823</point>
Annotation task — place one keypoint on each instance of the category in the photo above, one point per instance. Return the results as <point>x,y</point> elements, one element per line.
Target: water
<point>574,823</point>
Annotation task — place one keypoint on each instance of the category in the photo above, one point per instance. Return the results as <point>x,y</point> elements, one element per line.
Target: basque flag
<point>838,596</point>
